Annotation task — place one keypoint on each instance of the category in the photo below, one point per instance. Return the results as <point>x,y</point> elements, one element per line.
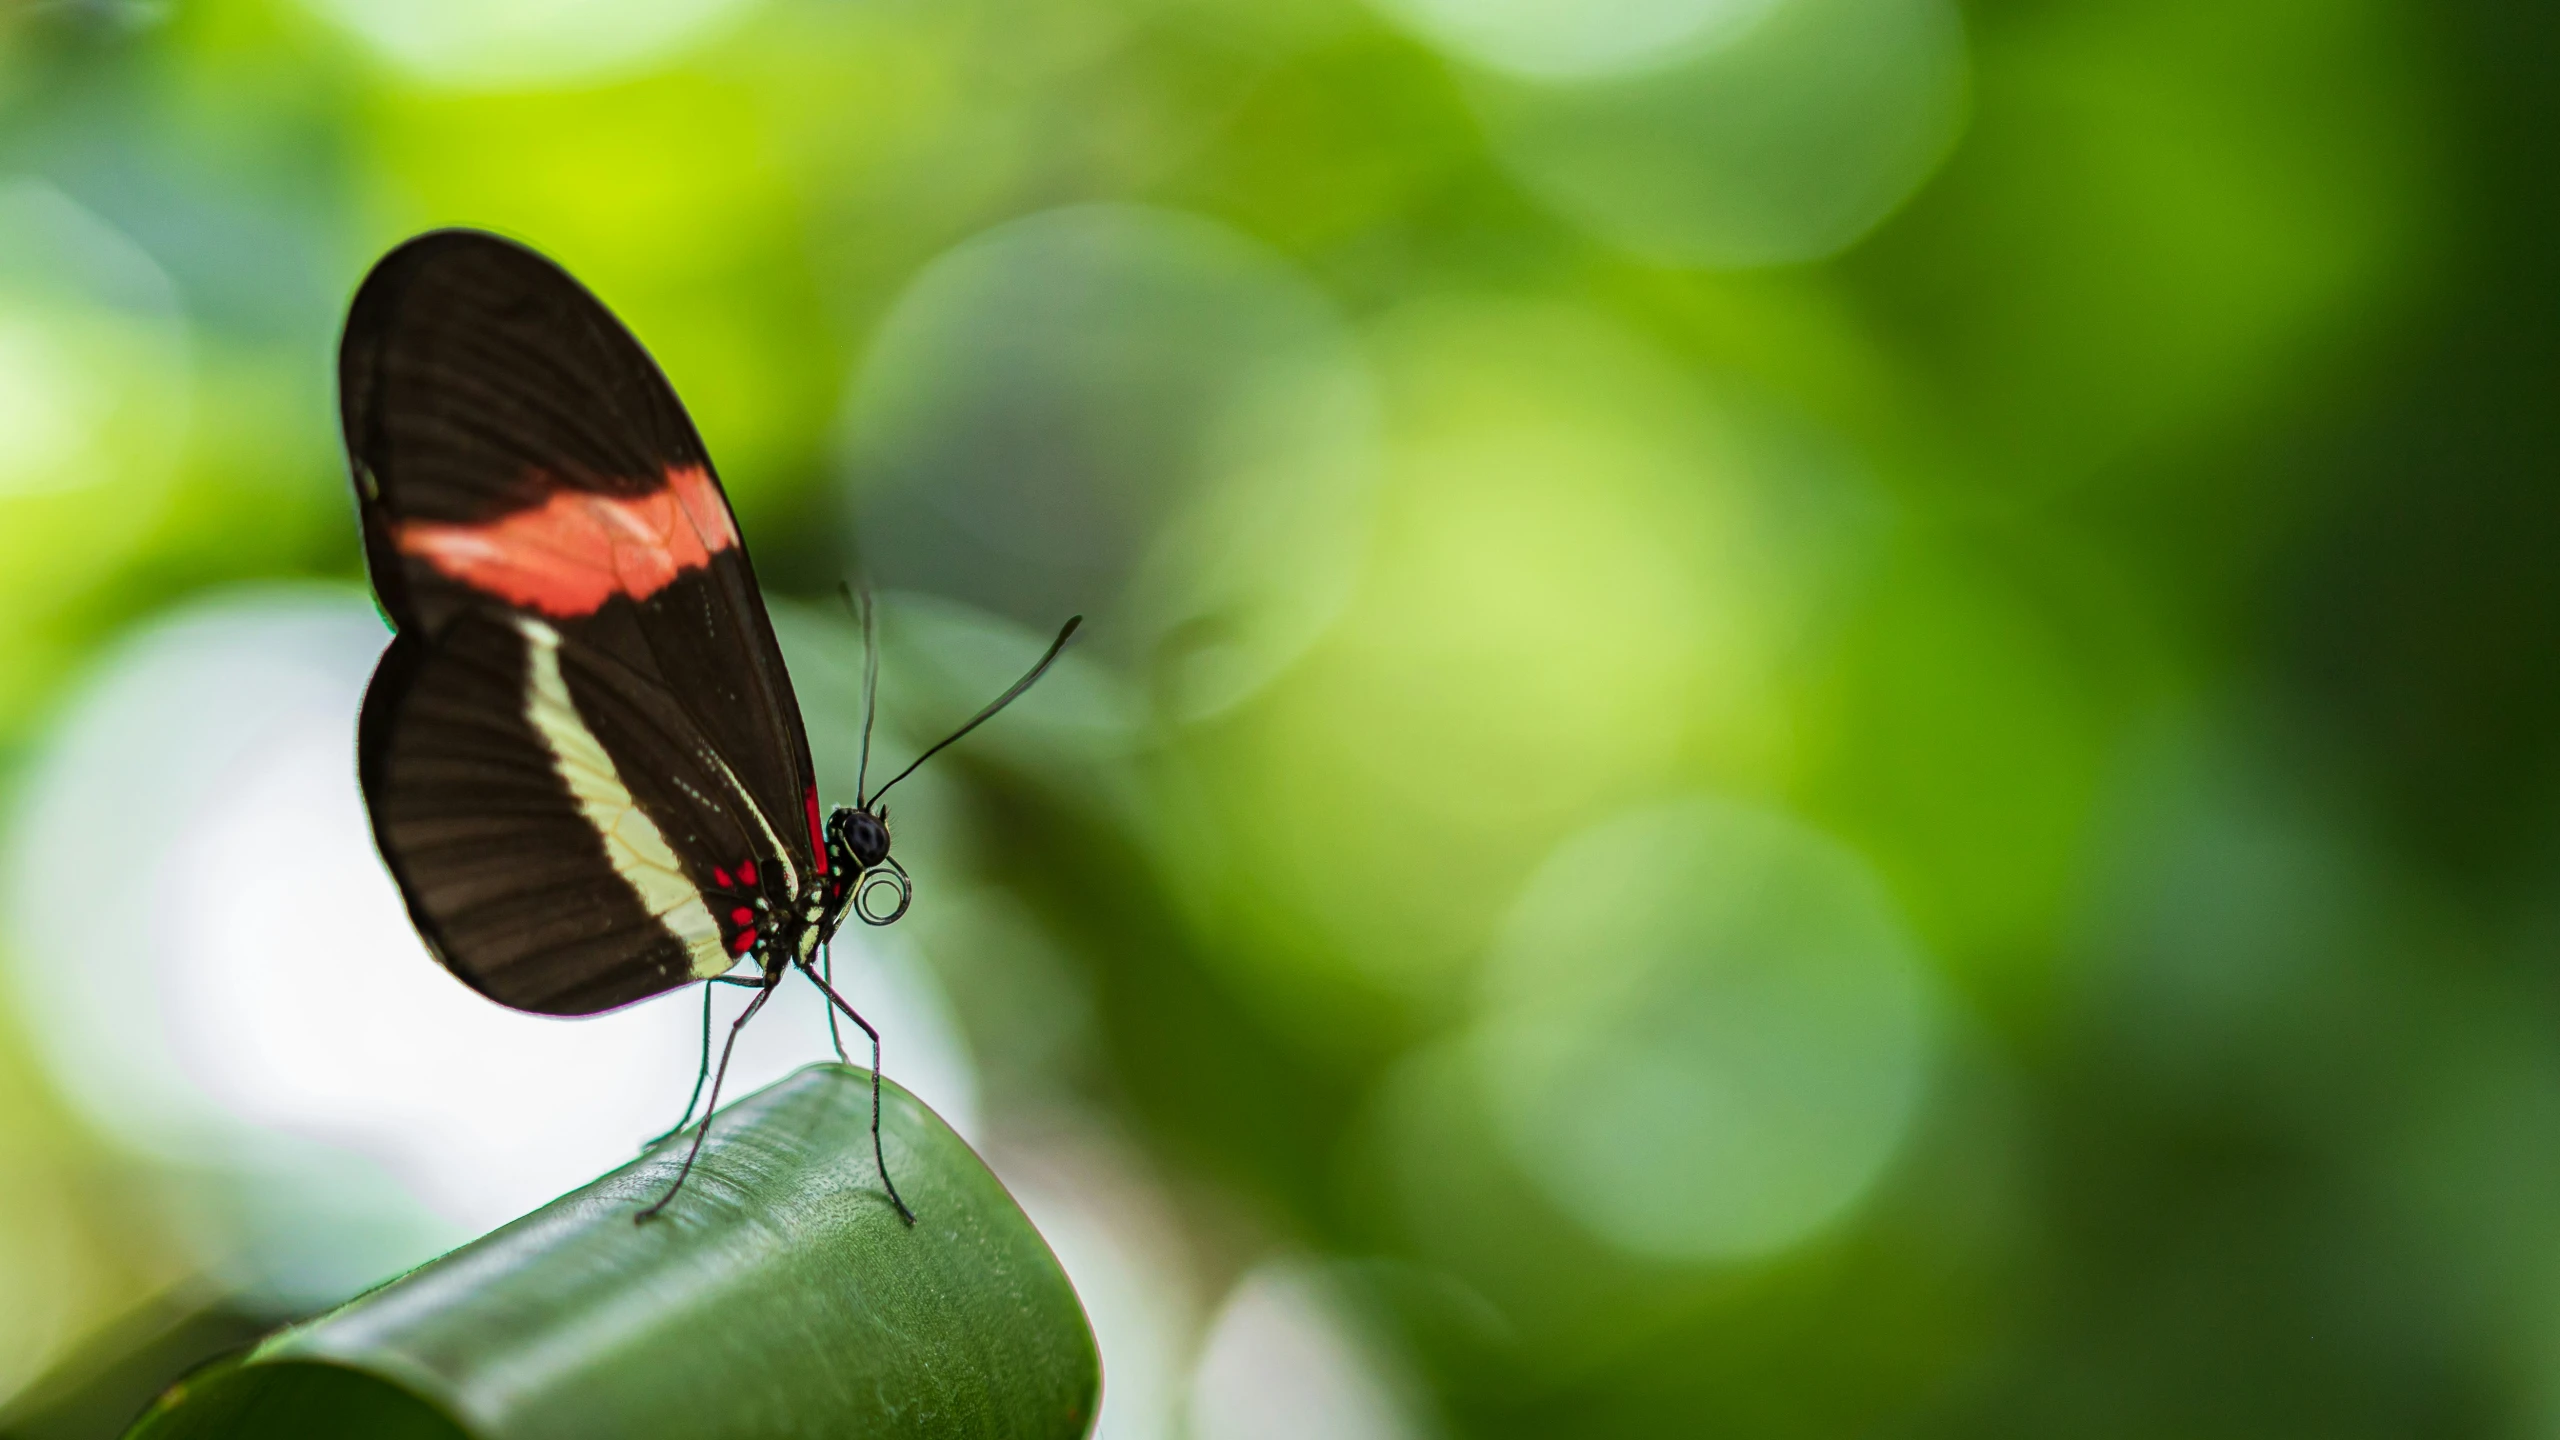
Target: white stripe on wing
<point>640,854</point>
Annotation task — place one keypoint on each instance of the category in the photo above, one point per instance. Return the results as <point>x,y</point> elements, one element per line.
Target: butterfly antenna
<point>896,878</point>
<point>868,615</point>
<point>982,717</point>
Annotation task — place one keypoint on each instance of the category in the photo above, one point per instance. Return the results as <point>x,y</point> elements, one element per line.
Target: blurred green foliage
<point>2057,489</point>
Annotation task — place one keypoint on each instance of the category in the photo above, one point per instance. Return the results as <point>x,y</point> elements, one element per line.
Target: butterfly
<point>580,754</point>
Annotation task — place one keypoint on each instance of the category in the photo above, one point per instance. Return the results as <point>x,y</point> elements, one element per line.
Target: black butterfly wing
<point>523,468</point>
<point>565,838</point>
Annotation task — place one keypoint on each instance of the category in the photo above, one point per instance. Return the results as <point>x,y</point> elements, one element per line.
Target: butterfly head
<point>856,839</point>
<point>863,877</point>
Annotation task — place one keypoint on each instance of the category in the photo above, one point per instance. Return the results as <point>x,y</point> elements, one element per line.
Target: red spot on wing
<point>576,550</point>
<point>817,832</point>
<point>722,876</point>
<point>746,872</point>
<point>742,942</point>
<point>741,915</point>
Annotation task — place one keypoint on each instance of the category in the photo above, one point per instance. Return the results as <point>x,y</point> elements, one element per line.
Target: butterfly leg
<point>827,973</point>
<point>879,1157</point>
<point>762,995</point>
<point>703,1073</point>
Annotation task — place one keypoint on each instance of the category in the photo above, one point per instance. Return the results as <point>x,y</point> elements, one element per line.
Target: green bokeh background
<point>1845,726</point>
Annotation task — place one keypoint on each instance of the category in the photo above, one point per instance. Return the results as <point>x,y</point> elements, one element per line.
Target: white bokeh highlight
<point>1116,1235</point>
<point>221,975</point>
<point>1287,1359</point>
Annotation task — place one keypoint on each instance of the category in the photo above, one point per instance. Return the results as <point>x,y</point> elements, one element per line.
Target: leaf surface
<point>778,1296</point>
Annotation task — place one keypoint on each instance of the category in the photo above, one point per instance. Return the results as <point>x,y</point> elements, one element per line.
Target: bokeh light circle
<point>1287,1355</point>
<point>1128,412</point>
<point>1708,1031</point>
<point>1787,145</point>
<point>1592,563</point>
<point>1560,39</point>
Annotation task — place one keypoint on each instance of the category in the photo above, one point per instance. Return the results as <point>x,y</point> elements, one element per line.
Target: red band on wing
<point>570,554</point>
<point>817,832</point>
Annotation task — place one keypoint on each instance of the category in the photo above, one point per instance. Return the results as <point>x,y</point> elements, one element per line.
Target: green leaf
<point>778,1296</point>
